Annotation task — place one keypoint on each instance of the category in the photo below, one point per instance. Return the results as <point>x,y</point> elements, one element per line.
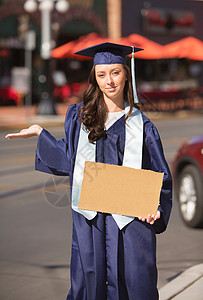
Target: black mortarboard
<point>108,53</point>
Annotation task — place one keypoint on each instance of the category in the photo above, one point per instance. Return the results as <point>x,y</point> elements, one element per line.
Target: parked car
<point>187,170</point>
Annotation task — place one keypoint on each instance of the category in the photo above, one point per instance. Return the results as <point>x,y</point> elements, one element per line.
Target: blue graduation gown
<point>108,263</point>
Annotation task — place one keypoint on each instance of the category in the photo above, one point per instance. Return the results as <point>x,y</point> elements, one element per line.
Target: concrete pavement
<point>20,117</point>
<point>188,285</point>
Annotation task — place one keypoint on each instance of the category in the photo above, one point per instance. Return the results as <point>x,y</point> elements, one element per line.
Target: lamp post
<point>46,105</point>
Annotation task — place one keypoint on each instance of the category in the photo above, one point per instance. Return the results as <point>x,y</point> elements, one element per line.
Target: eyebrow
<point>103,71</point>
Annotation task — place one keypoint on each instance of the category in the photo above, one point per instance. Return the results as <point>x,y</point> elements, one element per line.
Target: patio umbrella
<point>189,47</point>
<point>84,41</point>
<point>61,52</point>
<point>152,50</point>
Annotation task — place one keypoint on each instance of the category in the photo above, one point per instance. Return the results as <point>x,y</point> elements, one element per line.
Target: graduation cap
<point>110,53</point>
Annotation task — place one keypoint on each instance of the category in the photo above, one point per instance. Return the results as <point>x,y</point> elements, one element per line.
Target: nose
<point>110,79</point>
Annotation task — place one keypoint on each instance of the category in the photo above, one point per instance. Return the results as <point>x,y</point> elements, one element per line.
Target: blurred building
<point>163,21</point>
<point>158,20</point>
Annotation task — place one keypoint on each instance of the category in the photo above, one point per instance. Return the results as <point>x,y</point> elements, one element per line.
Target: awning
<point>85,41</point>
<point>189,47</point>
<point>152,50</point>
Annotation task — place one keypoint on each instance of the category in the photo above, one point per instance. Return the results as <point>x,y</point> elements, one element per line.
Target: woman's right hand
<point>33,130</point>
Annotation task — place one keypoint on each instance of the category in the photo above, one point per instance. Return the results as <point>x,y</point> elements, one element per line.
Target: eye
<point>100,75</point>
<point>116,72</point>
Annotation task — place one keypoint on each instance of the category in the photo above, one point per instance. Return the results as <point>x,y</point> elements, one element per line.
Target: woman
<point>113,256</point>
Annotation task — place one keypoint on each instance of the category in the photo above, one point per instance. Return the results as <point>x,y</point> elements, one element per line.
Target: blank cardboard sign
<point>120,190</point>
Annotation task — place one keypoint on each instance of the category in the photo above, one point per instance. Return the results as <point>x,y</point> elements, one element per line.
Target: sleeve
<point>51,155</point>
<point>159,164</point>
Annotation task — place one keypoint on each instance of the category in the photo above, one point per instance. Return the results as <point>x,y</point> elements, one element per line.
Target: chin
<point>113,95</point>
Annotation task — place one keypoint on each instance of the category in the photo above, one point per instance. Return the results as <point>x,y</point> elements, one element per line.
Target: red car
<point>187,169</point>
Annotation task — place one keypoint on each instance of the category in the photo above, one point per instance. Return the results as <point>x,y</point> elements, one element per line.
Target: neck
<point>114,105</point>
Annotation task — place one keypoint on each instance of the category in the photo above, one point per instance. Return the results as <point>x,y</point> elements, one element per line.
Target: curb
<point>152,115</point>
<point>181,283</point>
<point>48,121</point>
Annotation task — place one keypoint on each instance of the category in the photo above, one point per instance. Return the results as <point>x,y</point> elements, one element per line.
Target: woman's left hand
<point>151,218</point>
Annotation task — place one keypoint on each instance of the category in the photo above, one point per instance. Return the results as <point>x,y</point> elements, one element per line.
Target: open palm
<point>33,130</point>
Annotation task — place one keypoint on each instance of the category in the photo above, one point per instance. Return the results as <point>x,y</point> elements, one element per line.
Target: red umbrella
<point>152,50</point>
<point>61,52</point>
<point>84,41</point>
<point>189,47</point>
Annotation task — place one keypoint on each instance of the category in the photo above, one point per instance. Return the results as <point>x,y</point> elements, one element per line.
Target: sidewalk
<point>21,117</point>
<point>187,286</point>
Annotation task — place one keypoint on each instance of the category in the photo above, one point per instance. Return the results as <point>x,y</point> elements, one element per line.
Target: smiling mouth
<point>111,89</point>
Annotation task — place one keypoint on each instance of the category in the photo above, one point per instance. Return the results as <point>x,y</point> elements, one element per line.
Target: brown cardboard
<point>121,190</point>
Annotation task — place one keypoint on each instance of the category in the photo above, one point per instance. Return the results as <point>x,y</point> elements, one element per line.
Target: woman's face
<point>111,80</point>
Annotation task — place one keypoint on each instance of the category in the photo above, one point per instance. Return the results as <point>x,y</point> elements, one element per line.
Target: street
<point>36,224</point>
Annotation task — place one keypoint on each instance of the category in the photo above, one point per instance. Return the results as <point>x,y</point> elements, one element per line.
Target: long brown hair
<point>93,113</point>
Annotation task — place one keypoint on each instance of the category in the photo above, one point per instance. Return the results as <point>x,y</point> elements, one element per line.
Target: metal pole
<point>46,34</point>
<point>30,44</point>
<point>28,65</point>
<point>46,105</point>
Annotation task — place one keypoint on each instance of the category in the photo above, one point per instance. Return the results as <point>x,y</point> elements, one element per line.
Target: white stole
<point>86,151</point>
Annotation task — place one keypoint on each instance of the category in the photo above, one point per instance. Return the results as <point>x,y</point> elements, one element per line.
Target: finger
<point>12,135</point>
<point>158,214</point>
<point>17,135</point>
<point>152,219</point>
